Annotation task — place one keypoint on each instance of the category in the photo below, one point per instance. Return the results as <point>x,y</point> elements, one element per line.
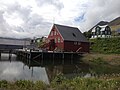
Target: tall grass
<point>102,64</point>
<point>87,84</point>
<point>62,83</point>
<point>23,85</point>
<point>106,45</point>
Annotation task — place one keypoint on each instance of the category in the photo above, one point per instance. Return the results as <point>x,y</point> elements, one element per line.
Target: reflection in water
<point>68,71</point>
<point>16,70</point>
<point>33,70</point>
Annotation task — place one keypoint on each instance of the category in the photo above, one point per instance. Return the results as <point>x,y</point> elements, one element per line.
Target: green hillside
<point>114,22</point>
<point>115,27</point>
<point>105,45</point>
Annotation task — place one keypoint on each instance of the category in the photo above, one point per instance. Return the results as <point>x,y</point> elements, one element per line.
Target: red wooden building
<point>69,39</point>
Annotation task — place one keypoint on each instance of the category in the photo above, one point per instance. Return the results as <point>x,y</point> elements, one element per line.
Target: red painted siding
<point>70,46</point>
<point>85,47</point>
<point>74,46</point>
<point>55,35</point>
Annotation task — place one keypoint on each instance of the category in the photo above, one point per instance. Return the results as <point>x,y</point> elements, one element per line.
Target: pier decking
<point>50,57</point>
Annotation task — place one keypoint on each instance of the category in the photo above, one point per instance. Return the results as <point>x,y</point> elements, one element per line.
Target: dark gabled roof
<point>101,23</point>
<point>70,33</point>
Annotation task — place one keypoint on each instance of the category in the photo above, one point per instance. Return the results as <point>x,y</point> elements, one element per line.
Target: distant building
<point>65,38</point>
<point>101,32</point>
<point>13,43</point>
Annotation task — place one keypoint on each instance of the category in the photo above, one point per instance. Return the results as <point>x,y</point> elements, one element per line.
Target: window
<point>75,43</point>
<point>55,40</point>
<point>73,34</point>
<point>79,43</point>
<point>107,28</point>
<point>97,30</point>
<point>51,33</point>
<point>58,40</point>
<point>109,33</point>
<point>55,33</point>
<point>105,32</point>
<point>93,33</point>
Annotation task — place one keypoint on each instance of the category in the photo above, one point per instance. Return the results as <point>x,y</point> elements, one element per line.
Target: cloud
<point>16,12</point>
<point>37,26</point>
<point>56,3</point>
<point>11,19</point>
<point>100,10</point>
<point>34,18</point>
<point>3,25</point>
<point>19,22</point>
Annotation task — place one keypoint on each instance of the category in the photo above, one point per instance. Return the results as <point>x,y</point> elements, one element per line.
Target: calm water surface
<point>16,70</point>
<point>12,69</point>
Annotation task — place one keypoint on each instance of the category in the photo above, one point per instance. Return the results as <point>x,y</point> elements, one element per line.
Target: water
<point>12,69</point>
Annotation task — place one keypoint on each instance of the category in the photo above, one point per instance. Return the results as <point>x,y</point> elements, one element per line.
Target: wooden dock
<point>50,57</point>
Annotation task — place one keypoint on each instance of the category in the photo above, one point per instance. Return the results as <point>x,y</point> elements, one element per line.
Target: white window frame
<point>75,43</point>
<point>79,43</point>
<point>58,39</point>
<point>55,33</point>
<point>55,40</point>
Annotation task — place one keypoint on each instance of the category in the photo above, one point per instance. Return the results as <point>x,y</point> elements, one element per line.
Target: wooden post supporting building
<point>0,55</point>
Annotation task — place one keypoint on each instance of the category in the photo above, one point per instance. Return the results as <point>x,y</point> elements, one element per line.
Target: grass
<point>112,59</point>
<point>115,27</point>
<point>23,85</point>
<point>76,83</point>
<point>106,45</point>
<point>106,68</point>
<point>87,84</point>
<point>102,63</point>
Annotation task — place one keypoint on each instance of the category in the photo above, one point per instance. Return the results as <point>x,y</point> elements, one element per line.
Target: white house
<point>101,31</point>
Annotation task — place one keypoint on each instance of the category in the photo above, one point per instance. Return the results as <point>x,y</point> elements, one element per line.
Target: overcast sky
<point>34,18</point>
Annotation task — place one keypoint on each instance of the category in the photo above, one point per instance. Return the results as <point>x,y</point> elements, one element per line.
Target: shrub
<point>3,84</point>
<point>106,45</point>
<point>78,83</point>
<point>24,84</point>
<point>39,85</point>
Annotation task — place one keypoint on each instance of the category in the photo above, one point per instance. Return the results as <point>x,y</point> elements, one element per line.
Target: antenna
<point>53,20</point>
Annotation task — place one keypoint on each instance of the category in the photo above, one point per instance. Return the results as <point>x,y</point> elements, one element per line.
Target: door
<point>52,45</point>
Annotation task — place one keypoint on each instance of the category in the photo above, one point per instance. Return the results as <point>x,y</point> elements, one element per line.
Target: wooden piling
<point>43,57</point>
<point>0,55</point>
<point>72,58</point>
<point>10,54</point>
<point>53,58</point>
<point>63,58</point>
